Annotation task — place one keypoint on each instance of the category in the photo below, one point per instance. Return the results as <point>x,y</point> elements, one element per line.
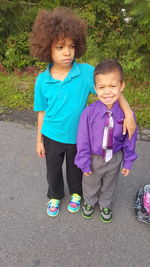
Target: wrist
<point>39,140</point>
<point>128,113</point>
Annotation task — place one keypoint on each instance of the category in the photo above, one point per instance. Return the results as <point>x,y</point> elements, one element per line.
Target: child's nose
<point>67,51</point>
<point>107,90</point>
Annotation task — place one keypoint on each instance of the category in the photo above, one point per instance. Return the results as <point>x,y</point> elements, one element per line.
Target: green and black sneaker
<point>105,214</point>
<point>87,211</point>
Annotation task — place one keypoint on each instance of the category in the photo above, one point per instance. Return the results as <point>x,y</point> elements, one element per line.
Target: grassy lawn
<point>17,93</point>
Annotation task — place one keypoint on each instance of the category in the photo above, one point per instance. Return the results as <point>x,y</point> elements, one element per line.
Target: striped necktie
<point>107,142</point>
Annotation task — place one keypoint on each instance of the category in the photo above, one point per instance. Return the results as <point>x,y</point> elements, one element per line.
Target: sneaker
<point>105,214</point>
<point>53,207</point>
<point>87,211</point>
<point>74,203</point>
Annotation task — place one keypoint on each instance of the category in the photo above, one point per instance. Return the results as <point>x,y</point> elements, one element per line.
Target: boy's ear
<point>122,86</point>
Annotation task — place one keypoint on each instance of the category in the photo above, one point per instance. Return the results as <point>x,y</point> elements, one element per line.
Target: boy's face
<point>109,87</point>
<point>63,52</point>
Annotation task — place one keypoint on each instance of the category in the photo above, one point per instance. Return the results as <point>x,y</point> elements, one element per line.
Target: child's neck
<point>109,106</point>
<point>59,73</point>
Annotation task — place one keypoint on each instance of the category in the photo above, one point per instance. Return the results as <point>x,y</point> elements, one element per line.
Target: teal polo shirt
<point>63,101</point>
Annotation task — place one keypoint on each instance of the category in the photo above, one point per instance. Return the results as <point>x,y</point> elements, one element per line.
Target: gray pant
<point>100,186</point>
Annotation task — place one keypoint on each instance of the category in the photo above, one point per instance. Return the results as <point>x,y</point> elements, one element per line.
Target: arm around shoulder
<point>129,122</point>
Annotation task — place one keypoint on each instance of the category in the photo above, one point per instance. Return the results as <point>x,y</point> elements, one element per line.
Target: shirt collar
<point>103,109</point>
<point>75,71</point>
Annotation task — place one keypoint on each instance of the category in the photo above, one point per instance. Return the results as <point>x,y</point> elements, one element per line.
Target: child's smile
<point>108,87</point>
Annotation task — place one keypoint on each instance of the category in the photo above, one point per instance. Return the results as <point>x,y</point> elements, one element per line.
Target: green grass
<point>17,93</point>
<point>138,96</point>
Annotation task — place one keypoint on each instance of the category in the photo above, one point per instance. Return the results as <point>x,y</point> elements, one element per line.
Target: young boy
<point>101,146</point>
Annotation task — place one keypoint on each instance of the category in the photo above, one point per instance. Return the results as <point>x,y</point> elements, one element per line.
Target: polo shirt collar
<point>75,71</point>
<point>103,109</point>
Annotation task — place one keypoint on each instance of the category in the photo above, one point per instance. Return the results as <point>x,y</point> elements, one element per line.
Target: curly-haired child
<point>61,93</point>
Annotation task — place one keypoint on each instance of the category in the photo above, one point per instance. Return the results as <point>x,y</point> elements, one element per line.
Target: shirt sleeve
<point>83,156</point>
<point>40,103</point>
<point>129,154</point>
<point>91,80</point>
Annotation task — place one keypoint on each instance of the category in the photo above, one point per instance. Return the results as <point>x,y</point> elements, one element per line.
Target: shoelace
<point>75,198</point>
<point>54,203</point>
<point>106,210</point>
<point>88,207</point>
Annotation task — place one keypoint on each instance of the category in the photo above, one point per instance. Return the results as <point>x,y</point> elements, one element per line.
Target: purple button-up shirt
<point>90,135</point>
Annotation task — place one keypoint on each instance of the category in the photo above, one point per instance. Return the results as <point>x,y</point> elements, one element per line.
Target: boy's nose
<point>107,90</point>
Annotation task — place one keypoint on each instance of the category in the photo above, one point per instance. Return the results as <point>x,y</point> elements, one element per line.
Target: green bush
<point>17,52</point>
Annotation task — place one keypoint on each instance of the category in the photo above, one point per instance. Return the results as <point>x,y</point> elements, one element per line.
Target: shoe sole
<point>52,215</point>
<point>105,221</point>
<point>86,217</point>
<point>71,211</point>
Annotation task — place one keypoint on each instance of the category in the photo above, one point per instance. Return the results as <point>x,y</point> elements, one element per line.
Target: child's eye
<point>59,47</point>
<point>73,46</point>
<point>113,86</point>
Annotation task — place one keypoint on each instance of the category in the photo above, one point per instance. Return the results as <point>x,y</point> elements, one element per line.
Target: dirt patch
<point>24,116</point>
<point>29,117</point>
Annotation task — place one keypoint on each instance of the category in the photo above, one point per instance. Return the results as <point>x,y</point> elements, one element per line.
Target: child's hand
<point>125,172</point>
<point>129,125</point>
<point>40,150</point>
<point>87,173</point>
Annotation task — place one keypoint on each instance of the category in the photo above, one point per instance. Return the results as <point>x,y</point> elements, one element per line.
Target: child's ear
<point>122,86</point>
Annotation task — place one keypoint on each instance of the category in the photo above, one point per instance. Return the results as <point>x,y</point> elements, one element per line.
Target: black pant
<point>55,153</point>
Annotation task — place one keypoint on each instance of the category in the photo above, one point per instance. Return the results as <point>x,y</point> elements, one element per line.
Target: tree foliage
<point>117,29</point>
<point>139,14</point>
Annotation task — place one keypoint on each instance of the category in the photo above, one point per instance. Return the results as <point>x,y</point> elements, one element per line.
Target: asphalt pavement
<point>29,238</point>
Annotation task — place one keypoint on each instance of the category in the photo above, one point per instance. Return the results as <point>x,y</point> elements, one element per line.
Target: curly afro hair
<point>52,25</point>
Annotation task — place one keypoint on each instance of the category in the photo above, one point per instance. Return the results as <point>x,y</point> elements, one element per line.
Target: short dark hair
<point>107,66</point>
<point>50,25</point>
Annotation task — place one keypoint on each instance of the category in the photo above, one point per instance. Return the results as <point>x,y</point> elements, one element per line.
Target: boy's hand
<point>40,150</point>
<point>125,172</point>
<point>129,125</point>
<point>87,173</point>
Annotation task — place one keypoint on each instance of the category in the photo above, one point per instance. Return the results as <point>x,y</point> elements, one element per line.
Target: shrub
<point>17,52</point>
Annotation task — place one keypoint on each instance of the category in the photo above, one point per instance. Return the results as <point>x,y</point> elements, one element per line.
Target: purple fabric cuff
<point>127,164</point>
<point>86,169</point>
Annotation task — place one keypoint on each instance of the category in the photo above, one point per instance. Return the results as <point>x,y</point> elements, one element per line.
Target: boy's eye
<point>73,46</point>
<point>113,86</point>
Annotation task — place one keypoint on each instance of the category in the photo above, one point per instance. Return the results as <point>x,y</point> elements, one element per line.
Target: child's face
<point>108,87</point>
<point>63,52</point>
